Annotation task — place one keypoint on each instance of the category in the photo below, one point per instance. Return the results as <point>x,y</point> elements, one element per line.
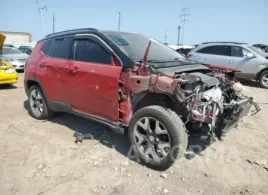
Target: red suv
<point>133,83</point>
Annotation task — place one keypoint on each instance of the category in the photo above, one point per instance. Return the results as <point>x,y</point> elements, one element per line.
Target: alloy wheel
<point>265,80</point>
<point>152,138</point>
<point>36,102</point>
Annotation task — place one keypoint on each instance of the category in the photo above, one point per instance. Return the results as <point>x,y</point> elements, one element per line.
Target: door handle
<point>43,65</point>
<point>232,61</point>
<point>206,58</point>
<point>74,71</point>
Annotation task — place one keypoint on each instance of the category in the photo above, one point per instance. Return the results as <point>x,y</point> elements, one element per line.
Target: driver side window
<point>86,50</point>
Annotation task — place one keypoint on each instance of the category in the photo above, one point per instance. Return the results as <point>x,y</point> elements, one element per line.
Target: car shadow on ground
<point>112,139</point>
<point>250,83</point>
<point>98,131</point>
<point>5,87</point>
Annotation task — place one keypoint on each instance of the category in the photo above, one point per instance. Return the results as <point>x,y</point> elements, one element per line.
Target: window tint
<point>216,50</point>
<point>89,51</point>
<point>46,46</point>
<point>60,48</point>
<point>239,52</point>
<point>205,50</point>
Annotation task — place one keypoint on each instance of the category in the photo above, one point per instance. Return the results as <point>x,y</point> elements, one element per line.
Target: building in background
<point>18,39</point>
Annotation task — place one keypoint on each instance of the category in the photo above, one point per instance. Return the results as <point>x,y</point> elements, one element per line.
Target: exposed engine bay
<point>213,100</point>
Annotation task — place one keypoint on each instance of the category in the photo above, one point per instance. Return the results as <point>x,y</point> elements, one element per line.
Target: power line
<point>184,19</point>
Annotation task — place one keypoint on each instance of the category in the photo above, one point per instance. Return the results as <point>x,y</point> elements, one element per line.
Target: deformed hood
<point>183,68</point>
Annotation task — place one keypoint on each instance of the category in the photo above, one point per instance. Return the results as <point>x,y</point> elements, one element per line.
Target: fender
<point>262,68</point>
<point>32,79</point>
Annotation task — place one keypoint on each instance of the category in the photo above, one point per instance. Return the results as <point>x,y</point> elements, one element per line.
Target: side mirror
<point>250,55</point>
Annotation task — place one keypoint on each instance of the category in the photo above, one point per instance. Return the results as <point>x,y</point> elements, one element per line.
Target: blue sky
<point>210,20</point>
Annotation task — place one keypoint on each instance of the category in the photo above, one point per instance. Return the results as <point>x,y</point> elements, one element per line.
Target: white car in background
<point>249,60</point>
<point>14,57</point>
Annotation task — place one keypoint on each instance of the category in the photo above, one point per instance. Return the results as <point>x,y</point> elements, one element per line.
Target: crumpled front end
<point>209,103</point>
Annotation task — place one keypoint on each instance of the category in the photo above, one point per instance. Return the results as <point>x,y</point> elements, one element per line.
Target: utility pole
<point>184,19</point>
<point>179,34</point>
<point>53,23</point>
<point>119,20</point>
<point>165,38</point>
<point>41,9</point>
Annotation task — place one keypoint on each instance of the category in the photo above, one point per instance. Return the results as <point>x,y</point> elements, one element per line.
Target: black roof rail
<point>80,30</point>
<point>224,42</point>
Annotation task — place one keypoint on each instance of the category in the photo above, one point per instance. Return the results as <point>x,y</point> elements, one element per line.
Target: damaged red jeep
<point>136,84</point>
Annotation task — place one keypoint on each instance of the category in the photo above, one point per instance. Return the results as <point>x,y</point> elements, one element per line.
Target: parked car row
<point>15,57</point>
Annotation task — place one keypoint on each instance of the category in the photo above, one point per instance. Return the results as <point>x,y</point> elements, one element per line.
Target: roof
<point>71,32</point>
<point>127,62</point>
<point>227,42</point>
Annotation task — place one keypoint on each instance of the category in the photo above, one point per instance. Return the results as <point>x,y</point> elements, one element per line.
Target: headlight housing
<point>11,60</point>
<point>10,71</point>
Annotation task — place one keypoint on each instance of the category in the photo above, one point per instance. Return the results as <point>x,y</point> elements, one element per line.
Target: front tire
<point>158,136</point>
<point>37,104</point>
<point>264,79</point>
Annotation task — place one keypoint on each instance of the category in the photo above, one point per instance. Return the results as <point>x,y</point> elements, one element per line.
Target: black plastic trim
<point>63,107</point>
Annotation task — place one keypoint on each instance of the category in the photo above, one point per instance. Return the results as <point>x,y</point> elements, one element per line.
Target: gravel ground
<point>40,157</point>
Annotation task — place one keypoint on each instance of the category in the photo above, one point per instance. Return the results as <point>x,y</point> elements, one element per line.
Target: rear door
<point>240,62</point>
<point>93,78</point>
<point>56,66</point>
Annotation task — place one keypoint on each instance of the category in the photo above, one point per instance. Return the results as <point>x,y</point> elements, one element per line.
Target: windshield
<point>258,51</point>
<point>9,50</point>
<point>134,45</point>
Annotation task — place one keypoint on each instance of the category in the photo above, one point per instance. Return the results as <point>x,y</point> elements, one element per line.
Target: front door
<point>93,79</point>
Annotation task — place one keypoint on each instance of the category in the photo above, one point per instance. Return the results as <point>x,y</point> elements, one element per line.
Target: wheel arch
<point>148,99</point>
<point>31,82</point>
<point>257,77</point>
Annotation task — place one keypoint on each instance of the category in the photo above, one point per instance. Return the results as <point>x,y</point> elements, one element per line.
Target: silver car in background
<point>249,60</point>
<point>14,57</point>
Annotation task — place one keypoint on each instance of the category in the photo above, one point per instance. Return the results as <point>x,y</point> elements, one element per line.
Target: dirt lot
<point>40,157</point>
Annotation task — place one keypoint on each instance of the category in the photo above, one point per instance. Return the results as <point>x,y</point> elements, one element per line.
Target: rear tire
<point>168,131</point>
<point>37,104</point>
<point>264,79</point>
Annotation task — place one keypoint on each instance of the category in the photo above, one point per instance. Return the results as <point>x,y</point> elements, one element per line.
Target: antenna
<point>184,19</point>
<point>41,9</point>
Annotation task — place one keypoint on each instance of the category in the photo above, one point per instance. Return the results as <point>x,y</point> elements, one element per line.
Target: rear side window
<point>216,50</point>
<point>46,46</point>
<point>238,52</point>
<point>89,51</point>
<point>61,48</point>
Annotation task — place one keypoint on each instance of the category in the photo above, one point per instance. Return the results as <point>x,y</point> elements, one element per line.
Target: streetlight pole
<point>179,34</point>
<point>54,23</point>
<point>166,37</point>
